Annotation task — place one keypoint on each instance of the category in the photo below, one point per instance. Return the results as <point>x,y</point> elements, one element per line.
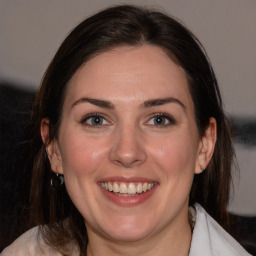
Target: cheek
<point>81,156</point>
<point>175,155</point>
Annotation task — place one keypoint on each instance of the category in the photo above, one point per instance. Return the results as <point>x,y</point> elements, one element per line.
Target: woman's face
<point>128,143</point>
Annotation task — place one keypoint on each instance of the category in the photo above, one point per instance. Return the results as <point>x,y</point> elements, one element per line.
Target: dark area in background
<point>243,131</point>
<point>15,107</point>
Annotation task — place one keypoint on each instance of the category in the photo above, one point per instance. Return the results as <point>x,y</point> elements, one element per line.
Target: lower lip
<point>128,200</point>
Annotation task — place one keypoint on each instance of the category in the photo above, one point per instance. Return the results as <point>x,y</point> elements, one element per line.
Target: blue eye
<point>161,120</point>
<point>95,120</point>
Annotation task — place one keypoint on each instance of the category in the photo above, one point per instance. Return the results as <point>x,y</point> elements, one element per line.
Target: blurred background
<point>31,32</point>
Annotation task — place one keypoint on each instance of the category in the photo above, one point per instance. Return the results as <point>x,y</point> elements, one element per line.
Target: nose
<point>128,149</point>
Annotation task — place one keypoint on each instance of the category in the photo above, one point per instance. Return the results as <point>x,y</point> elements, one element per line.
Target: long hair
<point>61,223</point>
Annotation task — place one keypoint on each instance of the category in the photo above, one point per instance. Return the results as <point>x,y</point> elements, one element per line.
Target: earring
<point>202,168</point>
<point>57,180</point>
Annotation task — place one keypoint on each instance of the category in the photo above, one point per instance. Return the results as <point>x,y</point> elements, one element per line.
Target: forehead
<point>129,72</point>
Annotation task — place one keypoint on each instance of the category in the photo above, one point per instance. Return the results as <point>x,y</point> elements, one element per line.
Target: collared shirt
<point>208,239</point>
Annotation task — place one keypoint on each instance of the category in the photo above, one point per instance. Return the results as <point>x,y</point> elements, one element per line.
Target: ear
<point>206,146</point>
<point>51,146</point>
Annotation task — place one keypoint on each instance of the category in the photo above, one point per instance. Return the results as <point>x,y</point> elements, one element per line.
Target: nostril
<point>128,164</point>
<point>127,148</point>
<point>128,159</point>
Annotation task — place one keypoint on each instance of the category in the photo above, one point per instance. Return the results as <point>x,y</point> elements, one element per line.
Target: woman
<point>129,117</point>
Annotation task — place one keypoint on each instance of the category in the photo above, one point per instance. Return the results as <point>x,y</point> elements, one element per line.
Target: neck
<point>174,239</point>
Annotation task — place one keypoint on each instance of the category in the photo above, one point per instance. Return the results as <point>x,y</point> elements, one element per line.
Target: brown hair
<point>52,209</point>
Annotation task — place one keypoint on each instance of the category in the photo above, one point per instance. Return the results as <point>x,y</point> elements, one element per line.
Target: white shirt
<point>208,239</point>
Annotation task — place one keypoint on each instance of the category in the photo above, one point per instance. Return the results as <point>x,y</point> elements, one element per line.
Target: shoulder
<point>210,239</point>
<point>28,244</point>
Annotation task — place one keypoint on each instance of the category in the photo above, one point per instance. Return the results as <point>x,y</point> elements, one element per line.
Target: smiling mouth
<point>127,189</point>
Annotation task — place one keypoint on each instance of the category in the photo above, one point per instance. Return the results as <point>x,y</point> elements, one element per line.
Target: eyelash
<point>167,117</point>
<point>94,115</point>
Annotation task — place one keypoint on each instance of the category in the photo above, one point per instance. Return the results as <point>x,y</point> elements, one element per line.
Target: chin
<point>129,231</point>
<point>129,236</point>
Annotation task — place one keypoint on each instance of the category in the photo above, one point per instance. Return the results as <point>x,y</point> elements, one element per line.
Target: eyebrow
<point>96,102</point>
<point>162,101</point>
<point>147,104</point>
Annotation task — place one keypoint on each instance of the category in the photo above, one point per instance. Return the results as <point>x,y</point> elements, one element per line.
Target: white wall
<point>31,31</point>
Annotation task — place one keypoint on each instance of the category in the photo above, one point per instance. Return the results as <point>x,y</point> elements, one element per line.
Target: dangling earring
<point>57,180</point>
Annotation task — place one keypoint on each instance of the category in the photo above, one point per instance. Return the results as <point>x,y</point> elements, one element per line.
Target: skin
<point>128,143</point>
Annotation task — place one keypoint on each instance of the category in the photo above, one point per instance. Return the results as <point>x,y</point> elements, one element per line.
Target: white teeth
<point>115,187</point>
<point>123,188</point>
<point>131,189</point>
<point>145,187</point>
<point>127,189</point>
<point>150,186</point>
<point>139,188</point>
<point>110,187</point>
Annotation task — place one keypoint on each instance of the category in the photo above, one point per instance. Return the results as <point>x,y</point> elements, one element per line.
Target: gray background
<point>31,32</point>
